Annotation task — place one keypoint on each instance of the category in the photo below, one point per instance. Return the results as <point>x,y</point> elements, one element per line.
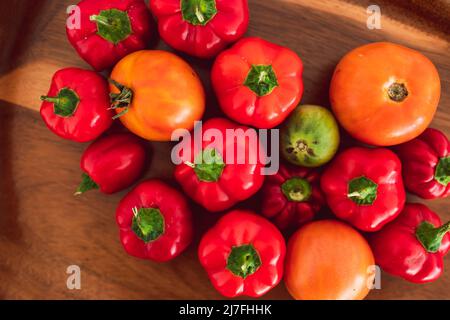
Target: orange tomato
<point>385,94</point>
<point>328,260</point>
<point>160,93</point>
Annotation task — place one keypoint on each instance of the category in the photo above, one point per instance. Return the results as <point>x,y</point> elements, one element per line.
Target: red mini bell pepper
<point>109,30</point>
<point>258,83</point>
<point>243,254</point>
<point>214,182</point>
<point>292,196</point>
<point>77,105</point>
<point>155,222</point>
<point>201,28</point>
<point>426,164</point>
<point>413,245</point>
<point>112,163</point>
<point>365,187</point>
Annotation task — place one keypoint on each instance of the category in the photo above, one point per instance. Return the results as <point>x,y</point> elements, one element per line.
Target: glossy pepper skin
<point>258,83</point>
<point>201,28</point>
<point>426,164</point>
<point>365,187</point>
<point>77,105</point>
<point>219,185</point>
<point>155,222</point>
<point>109,30</point>
<point>112,163</point>
<point>243,254</point>
<point>292,196</point>
<point>413,245</point>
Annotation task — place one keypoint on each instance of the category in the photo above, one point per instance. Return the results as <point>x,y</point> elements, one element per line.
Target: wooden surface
<point>44,229</point>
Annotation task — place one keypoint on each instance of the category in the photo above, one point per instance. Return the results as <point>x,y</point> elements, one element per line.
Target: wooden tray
<point>44,229</point>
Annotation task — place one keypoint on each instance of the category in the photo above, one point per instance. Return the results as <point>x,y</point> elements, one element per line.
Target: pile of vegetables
<point>376,95</point>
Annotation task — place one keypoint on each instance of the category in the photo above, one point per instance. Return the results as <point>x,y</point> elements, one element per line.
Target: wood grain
<point>44,229</point>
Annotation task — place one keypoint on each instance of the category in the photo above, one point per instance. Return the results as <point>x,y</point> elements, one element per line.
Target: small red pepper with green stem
<point>365,187</point>
<point>258,83</point>
<point>155,222</point>
<point>413,245</point>
<point>243,254</point>
<point>426,164</point>
<point>109,30</point>
<point>201,28</point>
<point>112,163</point>
<point>77,105</point>
<point>292,196</point>
<point>211,180</point>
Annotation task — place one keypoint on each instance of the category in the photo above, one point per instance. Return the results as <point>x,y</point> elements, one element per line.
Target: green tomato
<point>310,136</point>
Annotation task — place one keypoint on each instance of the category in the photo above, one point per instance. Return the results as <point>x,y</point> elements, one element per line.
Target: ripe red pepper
<point>109,30</point>
<point>365,187</point>
<point>258,83</point>
<point>413,245</point>
<point>155,222</point>
<point>243,254</point>
<point>112,163</point>
<point>292,196</point>
<point>219,185</point>
<point>77,105</point>
<point>426,164</point>
<point>201,28</point>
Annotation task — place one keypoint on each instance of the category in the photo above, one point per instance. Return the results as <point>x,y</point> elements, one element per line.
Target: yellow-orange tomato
<point>385,94</point>
<point>165,93</point>
<point>328,260</point>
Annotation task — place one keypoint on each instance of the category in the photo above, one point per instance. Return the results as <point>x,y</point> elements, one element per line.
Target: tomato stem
<point>121,100</point>
<point>397,92</point>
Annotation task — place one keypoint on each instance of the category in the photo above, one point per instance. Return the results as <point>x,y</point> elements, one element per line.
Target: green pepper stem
<point>355,194</point>
<point>147,223</point>
<point>243,260</point>
<point>297,189</point>
<point>199,14</point>
<point>189,164</point>
<point>86,184</point>
<point>65,103</point>
<point>208,165</point>
<point>362,191</point>
<point>442,230</point>
<point>100,19</point>
<point>442,173</point>
<point>261,79</point>
<point>50,99</point>
<point>445,228</point>
<point>431,237</point>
